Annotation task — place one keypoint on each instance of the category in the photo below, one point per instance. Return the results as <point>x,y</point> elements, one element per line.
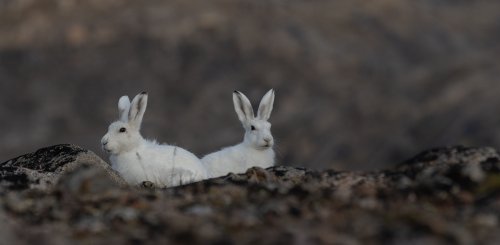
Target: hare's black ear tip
<point>236,91</point>
<point>144,93</point>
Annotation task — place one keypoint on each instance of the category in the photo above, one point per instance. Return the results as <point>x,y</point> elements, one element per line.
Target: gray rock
<point>43,168</point>
<point>88,183</point>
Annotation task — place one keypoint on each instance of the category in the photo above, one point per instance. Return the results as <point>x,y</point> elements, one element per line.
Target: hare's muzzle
<point>104,143</point>
<point>268,142</point>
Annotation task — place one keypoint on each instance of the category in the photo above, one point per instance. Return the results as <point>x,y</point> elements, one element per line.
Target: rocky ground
<point>67,195</point>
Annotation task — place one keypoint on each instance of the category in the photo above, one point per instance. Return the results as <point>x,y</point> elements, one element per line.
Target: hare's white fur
<point>257,146</point>
<point>137,159</point>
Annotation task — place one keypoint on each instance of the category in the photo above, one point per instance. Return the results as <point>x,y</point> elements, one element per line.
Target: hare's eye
<point>252,127</point>
<point>122,130</point>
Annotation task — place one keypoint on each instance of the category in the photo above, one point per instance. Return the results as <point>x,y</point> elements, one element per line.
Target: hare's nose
<point>104,142</point>
<point>267,140</point>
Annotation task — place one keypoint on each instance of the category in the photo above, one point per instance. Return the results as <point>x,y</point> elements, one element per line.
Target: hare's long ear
<point>137,109</point>
<point>242,106</point>
<point>123,108</point>
<point>266,105</point>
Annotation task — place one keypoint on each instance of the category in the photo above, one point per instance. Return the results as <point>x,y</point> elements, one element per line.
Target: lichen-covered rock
<point>451,155</point>
<point>450,168</point>
<point>43,168</point>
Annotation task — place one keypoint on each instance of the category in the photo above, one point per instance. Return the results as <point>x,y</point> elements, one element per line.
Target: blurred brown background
<point>360,84</point>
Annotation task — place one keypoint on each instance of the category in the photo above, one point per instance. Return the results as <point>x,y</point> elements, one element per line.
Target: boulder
<point>43,168</point>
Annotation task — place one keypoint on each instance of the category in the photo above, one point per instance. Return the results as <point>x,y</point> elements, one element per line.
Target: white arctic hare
<point>257,146</point>
<point>137,159</point>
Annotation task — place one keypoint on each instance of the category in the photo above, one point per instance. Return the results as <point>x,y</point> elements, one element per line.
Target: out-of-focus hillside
<point>359,84</point>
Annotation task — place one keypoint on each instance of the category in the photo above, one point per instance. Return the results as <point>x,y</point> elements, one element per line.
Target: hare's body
<point>137,159</point>
<point>163,165</point>
<point>237,159</point>
<point>256,150</point>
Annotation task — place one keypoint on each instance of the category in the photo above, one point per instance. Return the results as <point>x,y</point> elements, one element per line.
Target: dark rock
<point>13,178</point>
<point>50,159</point>
<point>451,155</point>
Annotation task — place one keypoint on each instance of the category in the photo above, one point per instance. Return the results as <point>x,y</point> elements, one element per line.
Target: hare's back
<point>186,159</point>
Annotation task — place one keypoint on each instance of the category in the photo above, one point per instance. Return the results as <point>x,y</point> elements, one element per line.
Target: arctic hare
<point>257,146</point>
<point>137,159</point>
